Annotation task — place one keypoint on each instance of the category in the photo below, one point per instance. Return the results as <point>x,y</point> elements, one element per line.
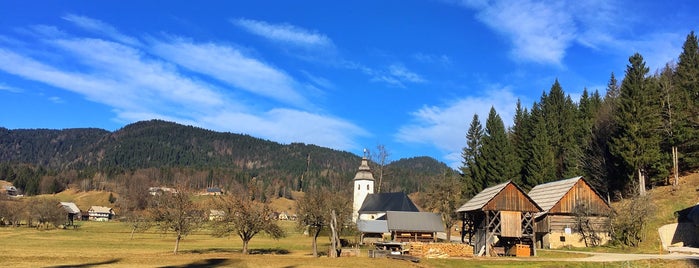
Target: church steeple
<point>363,186</point>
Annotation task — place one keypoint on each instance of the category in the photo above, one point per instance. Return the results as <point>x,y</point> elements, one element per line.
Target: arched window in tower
<point>359,186</point>
<point>367,187</point>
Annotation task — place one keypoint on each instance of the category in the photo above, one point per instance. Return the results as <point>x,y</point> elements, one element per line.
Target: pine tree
<point>473,176</point>
<point>687,83</point>
<point>496,151</point>
<point>637,140</point>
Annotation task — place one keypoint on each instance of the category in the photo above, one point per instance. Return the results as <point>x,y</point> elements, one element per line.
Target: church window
<point>367,187</point>
<point>359,186</point>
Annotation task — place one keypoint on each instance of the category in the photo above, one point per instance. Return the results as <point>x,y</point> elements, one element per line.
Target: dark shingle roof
<point>383,202</point>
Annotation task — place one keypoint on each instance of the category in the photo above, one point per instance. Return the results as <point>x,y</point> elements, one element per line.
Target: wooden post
<point>487,233</point>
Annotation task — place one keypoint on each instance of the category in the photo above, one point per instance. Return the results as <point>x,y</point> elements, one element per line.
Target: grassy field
<point>108,244</point>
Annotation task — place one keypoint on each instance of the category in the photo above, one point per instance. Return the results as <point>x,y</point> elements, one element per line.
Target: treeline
<point>643,132</point>
<point>156,153</point>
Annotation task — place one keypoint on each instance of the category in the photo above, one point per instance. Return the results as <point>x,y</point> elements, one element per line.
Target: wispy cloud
<point>445,126</point>
<point>173,79</point>
<point>101,28</point>
<point>539,32</point>
<point>231,66</point>
<point>8,88</point>
<point>56,99</point>
<point>285,33</point>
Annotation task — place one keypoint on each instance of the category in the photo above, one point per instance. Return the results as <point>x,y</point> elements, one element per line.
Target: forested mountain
<point>163,153</point>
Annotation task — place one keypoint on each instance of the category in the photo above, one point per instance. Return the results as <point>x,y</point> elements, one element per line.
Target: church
<point>394,214</point>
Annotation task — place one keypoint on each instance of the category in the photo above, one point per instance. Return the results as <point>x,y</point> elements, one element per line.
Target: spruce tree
<point>637,141</point>
<point>687,82</point>
<point>561,122</point>
<point>519,135</point>
<point>496,152</point>
<point>540,165</point>
<point>473,176</point>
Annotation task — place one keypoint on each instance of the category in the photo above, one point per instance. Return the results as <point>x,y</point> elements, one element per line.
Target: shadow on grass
<point>214,262</point>
<point>87,264</point>
<point>257,251</point>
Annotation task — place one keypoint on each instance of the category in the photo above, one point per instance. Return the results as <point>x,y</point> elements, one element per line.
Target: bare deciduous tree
<point>444,196</point>
<point>316,211</point>
<point>176,212</point>
<point>245,218</point>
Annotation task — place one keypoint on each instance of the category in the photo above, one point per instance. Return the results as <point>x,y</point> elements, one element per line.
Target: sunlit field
<point>108,244</point>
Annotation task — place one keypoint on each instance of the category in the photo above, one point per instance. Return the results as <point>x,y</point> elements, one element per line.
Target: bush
<point>629,222</point>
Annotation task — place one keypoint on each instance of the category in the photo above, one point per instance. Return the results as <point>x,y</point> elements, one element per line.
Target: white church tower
<point>363,185</point>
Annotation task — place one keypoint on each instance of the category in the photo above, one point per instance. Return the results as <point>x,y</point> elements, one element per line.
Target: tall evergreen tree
<point>687,82</point>
<point>496,151</point>
<point>519,137</point>
<point>561,123</point>
<point>637,141</point>
<point>473,175</point>
<point>540,165</point>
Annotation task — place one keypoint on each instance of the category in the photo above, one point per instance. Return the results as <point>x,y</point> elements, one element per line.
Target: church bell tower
<point>363,186</point>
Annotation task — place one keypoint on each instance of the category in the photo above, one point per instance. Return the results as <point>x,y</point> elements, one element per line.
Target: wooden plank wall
<point>560,222</point>
<point>511,199</point>
<point>581,193</point>
<point>511,223</point>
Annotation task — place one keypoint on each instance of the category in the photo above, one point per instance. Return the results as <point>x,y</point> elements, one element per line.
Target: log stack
<point>440,250</point>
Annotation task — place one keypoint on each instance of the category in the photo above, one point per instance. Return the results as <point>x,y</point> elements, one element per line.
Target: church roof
<point>364,172</point>
<point>383,202</point>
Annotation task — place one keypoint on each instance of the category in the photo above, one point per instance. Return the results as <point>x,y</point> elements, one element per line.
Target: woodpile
<point>440,250</point>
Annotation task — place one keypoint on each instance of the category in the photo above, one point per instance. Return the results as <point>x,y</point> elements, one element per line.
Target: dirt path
<point>614,257</point>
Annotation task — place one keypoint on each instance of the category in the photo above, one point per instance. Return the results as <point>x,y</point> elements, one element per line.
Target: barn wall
<point>558,223</point>
<point>581,193</point>
<point>511,199</point>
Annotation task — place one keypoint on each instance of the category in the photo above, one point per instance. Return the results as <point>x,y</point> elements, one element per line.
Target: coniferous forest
<point>642,132</point>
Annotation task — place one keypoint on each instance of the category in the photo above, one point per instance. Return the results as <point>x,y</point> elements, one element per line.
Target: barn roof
<point>382,202</point>
<point>70,207</point>
<point>482,198</point>
<point>414,221</point>
<point>372,226</point>
<point>548,194</point>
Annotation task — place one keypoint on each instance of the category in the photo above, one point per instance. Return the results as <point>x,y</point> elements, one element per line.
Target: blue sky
<point>346,75</point>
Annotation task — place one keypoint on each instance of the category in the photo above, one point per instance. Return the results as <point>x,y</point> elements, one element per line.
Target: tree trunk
<point>641,183</point>
<point>315,242</point>
<point>675,168</point>
<point>333,243</point>
<point>177,243</point>
<point>245,247</point>
<point>132,231</point>
<point>449,232</point>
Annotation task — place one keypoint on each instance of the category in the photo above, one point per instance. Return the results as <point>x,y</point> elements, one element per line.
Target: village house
<point>100,213</point>
<point>499,220</point>
<point>564,202</point>
<point>216,215</point>
<point>213,191</point>
<point>10,190</point>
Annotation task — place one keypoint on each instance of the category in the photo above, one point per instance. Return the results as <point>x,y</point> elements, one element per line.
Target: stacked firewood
<point>440,250</point>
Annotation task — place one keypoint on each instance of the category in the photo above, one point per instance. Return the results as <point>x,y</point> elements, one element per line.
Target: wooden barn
<point>574,214</point>
<point>498,219</point>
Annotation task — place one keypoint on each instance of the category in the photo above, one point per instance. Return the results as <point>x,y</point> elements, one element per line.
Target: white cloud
<point>287,125</point>
<point>445,127</point>
<point>100,27</point>
<point>539,32</point>
<point>56,99</point>
<point>285,33</point>
<point>231,66</point>
<point>399,71</point>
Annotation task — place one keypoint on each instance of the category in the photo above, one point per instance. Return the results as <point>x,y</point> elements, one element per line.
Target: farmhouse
<point>498,219</point>
<point>402,226</point>
<point>574,214</point>
<point>99,213</point>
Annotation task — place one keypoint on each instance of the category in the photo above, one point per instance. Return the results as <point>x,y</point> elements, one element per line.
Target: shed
<point>372,230</point>
<point>72,210</point>
<point>406,226</point>
<point>502,211</point>
<point>564,200</point>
